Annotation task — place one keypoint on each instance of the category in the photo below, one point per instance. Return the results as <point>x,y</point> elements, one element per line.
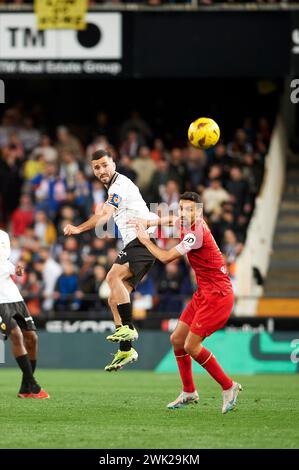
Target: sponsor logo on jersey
<point>189,239</point>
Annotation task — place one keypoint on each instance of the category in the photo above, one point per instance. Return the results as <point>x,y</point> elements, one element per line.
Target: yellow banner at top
<point>60,14</point>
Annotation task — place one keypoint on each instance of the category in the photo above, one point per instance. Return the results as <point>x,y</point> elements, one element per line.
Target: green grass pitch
<point>125,410</point>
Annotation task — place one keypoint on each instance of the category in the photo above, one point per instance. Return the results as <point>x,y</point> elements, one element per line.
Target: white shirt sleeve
<point>191,241</point>
<point>4,247</point>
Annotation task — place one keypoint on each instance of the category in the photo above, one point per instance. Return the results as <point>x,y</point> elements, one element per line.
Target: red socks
<point>206,359</point>
<point>185,367</point>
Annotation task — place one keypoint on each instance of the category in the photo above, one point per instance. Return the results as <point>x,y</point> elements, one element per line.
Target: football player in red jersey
<point>210,306</point>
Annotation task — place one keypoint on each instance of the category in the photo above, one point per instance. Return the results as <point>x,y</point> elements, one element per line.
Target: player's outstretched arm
<point>165,256</point>
<point>168,220</point>
<point>97,219</point>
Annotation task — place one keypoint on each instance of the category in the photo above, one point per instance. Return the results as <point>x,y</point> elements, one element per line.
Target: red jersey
<point>205,259</point>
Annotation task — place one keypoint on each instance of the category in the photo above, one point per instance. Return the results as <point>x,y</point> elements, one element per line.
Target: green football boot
<point>121,358</point>
<point>123,333</point>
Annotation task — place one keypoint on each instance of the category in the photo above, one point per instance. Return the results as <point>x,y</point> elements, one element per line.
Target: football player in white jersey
<point>133,262</point>
<point>17,323</point>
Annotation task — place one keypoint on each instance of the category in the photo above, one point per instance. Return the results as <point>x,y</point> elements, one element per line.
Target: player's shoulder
<point>121,182</point>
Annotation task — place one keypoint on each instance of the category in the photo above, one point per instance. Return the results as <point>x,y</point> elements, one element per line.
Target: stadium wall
<point>258,247</point>
<point>240,352</point>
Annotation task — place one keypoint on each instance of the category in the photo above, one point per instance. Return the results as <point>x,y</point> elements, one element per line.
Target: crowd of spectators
<point>46,182</point>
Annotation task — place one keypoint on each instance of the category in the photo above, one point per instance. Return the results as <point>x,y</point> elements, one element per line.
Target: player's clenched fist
<point>71,230</point>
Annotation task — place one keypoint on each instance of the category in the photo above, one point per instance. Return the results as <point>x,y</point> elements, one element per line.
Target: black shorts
<point>139,258</point>
<point>15,314</point>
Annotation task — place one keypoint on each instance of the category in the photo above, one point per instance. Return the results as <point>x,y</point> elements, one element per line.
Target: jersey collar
<point>116,174</point>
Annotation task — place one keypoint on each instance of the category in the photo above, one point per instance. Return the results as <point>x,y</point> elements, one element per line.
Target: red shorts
<point>207,313</point>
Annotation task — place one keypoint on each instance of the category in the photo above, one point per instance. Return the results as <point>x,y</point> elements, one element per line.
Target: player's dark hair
<point>190,196</point>
<point>100,154</point>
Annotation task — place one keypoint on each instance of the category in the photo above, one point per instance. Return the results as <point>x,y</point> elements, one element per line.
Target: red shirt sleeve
<point>191,241</point>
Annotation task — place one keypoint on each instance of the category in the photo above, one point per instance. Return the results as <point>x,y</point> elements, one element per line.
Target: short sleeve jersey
<point>125,196</point>
<point>205,258</point>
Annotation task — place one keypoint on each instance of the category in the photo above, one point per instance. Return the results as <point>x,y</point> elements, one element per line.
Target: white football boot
<point>230,397</point>
<point>184,399</point>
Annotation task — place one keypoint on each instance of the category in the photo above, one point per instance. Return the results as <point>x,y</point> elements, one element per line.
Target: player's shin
<point>184,363</point>
<point>25,366</point>
<point>207,360</point>
<point>125,312</point>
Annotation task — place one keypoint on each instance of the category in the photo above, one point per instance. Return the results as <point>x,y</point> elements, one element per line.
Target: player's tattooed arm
<point>165,256</point>
<point>101,218</point>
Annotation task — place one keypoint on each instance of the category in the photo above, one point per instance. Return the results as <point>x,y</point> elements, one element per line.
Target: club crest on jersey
<point>114,200</point>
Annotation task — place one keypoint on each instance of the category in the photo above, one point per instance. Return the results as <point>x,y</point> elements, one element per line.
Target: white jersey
<point>8,290</point>
<point>125,196</point>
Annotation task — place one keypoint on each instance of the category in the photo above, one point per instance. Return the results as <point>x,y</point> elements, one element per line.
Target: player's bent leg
<point>208,361</point>
<point>120,293</point>
<point>113,307</point>
<point>122,358</point>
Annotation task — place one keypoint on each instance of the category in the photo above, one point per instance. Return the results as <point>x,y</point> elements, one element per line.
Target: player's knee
<point>31,340</point>
<point>190,349</point>
<point>176,341</point>
<point>16,337</point>
<point>111,277</point>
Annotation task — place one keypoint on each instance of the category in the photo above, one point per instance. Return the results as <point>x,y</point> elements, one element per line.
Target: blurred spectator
<point>22,217</point>
<point>172,288</point>
<point>178,169</point>
<point>159,180</point>
<point>44,228</point>
<point>50,271</point>
<point>45,148</point>
<point>34,166</point>
<point>213,197</point>
<point>66,142</point>
<point>145,168</point>
<point>10,182</point>
<point>31,291</point>
<point>239,146</point>
<point>238,188</point>
<point>29,136</point>
<point>170,195</point>
<point>95,291</point>
<point>82,191</point>
<point>158,150</point>
<point>131,144</point>
<point>68,169</point>
<point>50,189</point>
<point>67,294</point>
